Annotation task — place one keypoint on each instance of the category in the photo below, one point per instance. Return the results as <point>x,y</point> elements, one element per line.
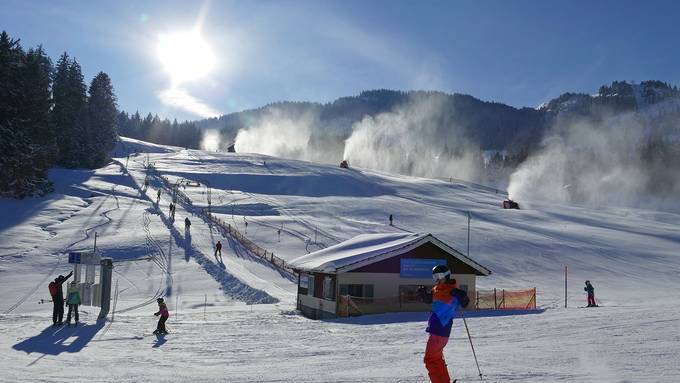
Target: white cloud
<point>181,99</point>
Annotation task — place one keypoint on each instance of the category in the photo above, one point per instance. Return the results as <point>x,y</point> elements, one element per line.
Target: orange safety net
<point>500,299</point>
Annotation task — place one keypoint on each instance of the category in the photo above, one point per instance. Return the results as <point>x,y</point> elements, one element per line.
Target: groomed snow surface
<point>233,317</point>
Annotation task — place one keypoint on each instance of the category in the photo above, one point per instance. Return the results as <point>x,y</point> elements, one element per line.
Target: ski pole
<point>472,346</point>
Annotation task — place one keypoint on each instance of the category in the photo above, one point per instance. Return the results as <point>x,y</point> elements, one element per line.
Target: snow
<point>233,318</point>
<point>357,249</point>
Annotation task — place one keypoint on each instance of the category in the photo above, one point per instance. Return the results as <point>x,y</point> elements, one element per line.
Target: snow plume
<point>211,140</point>
<point>279,134</point>
<point>414,139</point>
<point>595,163</point>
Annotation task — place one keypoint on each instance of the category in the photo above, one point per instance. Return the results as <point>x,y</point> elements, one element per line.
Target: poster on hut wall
<point>418,268</point>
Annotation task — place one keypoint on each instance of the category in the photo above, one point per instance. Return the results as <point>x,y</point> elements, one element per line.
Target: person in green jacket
<point>72,300</point>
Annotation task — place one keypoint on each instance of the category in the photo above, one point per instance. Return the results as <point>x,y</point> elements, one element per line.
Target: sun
<point>186,56</point>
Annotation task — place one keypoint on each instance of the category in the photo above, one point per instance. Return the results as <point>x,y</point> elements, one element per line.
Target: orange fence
<point>497,299</point>
<point>500,299</point>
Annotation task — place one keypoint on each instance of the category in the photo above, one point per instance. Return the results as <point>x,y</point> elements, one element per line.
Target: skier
<point>390,219</point>
<point>73,300</point>
<point>591,294</point>
<point>445,298</point>
<point>146,184</point>
<point>187,224</point>
<point>58,298</point>
<point>218,249</point>
<point>164,314</point>
<point>158,197</point>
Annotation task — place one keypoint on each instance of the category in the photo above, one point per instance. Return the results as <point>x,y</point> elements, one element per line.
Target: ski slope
<point>233,318</point>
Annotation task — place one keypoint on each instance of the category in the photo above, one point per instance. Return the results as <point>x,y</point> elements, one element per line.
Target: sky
<point>242,55</point>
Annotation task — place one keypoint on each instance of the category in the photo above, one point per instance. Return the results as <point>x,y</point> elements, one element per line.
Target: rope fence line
<point>228,229</point>
<point>251,246</point>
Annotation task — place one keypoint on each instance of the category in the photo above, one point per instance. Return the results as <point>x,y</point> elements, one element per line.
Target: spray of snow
<point>211,140</point>
<point>413,139</point>
<point>595,163</point>
<point>279,134</point>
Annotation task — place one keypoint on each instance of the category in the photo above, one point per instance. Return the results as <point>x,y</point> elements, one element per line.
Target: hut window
<point>328,289</point>
<point>412,293</point>
<point>359,291</point>
<point>310,282</point>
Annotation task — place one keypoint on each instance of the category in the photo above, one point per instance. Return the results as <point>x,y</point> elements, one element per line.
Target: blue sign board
<point>73,257</point>
<point>418,268</point>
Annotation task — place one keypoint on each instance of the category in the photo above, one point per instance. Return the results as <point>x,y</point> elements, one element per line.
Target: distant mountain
<point>493,126</point>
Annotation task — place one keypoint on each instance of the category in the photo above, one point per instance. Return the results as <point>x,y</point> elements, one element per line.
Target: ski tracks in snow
<point>57,262</point>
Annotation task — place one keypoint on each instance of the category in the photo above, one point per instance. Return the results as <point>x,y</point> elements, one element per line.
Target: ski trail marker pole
<point>472,346</point>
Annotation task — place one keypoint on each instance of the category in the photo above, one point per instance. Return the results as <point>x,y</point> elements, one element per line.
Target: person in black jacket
<point>58,299</point>
<point>591,294</point>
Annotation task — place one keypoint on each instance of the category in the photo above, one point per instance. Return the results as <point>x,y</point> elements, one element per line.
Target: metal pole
<point>472,346</point>
<point>95,241</point>
<point>105,286</point>
<point>176,307</point>
<point>468,243</point>
<point>566,268</point>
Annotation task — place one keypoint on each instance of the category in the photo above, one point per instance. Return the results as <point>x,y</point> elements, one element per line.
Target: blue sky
<point>517,52</point>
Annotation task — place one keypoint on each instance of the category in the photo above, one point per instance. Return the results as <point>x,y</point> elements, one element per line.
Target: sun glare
<point>185,56</point>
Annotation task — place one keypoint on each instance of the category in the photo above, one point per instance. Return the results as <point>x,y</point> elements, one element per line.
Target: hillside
<point>250,330</point>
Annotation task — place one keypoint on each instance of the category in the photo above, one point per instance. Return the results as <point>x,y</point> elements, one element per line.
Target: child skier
<point>73,300</point>
<point>218,249</point>
<point>591,294</point>
<point>164,314</point>
<point>187,224</point>
<point>445,298</point>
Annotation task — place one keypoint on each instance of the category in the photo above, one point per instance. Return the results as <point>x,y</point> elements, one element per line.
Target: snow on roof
<point>364,247</point>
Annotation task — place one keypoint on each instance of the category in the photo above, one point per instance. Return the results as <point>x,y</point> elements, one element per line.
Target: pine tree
<point>37,104</point>
<point>24,108</point>
<point>62,115</point>
<point>80,152</point>
<point>69,114</point>
<point>102,111</point>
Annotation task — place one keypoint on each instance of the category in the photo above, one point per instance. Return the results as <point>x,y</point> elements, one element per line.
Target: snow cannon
<point>344,164</point>
<point>510,204</point>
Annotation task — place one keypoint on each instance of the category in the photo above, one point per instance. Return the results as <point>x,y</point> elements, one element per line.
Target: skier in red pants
<point>445,298</point>
<point>591,294</point>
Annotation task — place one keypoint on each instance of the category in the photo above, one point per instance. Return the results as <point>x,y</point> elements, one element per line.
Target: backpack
<point>53,288</point>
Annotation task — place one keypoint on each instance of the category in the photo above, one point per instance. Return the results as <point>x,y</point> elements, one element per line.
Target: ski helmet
<point>159,300</point>
<point>440,272</point>
<point>587,282</point>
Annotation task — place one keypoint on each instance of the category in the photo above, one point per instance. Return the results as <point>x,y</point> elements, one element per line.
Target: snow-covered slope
<point>236,317</point>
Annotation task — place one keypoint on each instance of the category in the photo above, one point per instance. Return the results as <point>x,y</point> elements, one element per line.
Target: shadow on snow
<point>55,340</point>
